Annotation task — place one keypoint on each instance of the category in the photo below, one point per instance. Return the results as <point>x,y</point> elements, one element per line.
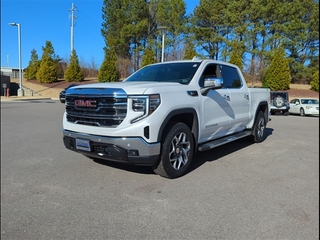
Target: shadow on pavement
<point>199,158</point>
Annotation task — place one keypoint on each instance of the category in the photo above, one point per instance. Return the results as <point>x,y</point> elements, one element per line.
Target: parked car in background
<point>304,106</point>
<point>279,103</point>
<point>62,95</point>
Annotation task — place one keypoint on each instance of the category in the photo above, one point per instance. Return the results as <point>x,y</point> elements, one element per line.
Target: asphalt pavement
<point>241,190</point>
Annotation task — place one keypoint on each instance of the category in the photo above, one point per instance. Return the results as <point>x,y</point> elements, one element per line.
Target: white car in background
<point>304,106</point>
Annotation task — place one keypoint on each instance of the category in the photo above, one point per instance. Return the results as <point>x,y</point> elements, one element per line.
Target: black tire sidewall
<point>256,137</point>
<point>164,159</point>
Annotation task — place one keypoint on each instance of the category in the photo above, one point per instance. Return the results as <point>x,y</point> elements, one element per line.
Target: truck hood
<point>130,87</point>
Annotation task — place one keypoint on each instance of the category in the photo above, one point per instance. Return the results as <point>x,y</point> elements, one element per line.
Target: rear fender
<point>264,107</point>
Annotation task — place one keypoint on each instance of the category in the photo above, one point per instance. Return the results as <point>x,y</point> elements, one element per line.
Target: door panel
<point>216,115</point>
<point>239,97</point>
<point>240,103</point>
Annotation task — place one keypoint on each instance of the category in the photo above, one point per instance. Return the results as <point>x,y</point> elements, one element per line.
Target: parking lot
<point>237,191</point>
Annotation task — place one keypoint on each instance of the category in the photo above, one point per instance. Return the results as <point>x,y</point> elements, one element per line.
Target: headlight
<point>144,104</point>
<point>308,107</point>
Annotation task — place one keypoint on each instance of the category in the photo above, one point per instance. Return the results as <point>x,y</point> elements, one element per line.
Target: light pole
<point>163,30</point>
<point>20,91</point>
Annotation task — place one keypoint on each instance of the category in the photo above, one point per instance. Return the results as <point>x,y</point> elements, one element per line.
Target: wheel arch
<point>186,115</point>
<point>263,107</point>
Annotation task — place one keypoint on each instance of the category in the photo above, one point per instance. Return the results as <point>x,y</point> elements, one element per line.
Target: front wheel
<point>302,112</point>
<point>177,152</point>
<point>259,128</point>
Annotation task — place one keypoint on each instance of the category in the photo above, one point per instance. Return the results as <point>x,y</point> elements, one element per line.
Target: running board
<point>224,140</point>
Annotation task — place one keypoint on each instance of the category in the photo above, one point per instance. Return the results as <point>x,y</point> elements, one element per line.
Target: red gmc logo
<point>85,103</point>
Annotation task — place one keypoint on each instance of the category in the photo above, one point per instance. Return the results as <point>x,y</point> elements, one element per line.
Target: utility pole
<point>163,31</point>
<point>20,90</point>
<point>73,17</point>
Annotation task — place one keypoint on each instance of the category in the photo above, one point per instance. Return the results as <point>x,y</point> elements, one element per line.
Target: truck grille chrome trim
<point>109,108</point>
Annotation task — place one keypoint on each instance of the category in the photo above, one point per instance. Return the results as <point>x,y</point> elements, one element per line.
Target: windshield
<point>171,72</point>
<point>309,101</point>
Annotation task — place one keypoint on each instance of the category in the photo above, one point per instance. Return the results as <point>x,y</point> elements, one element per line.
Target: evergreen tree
<point>34,64</point>
<point>108,71</point>
<point>60,72</point>
<point>300,33</point>
<point>208,25</point>
<point>189,53</point>
<point>124,21</point>
<point>236,55</point>
<point>261,27</point>
<point>47,72</point>
<point>172,15</point>
<point>74,72</point>
<point>315,82</point>
<point>277,76</point>
<point>148,57</point>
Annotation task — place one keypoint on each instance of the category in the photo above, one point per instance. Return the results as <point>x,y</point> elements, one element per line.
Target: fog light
<point>133,153</point>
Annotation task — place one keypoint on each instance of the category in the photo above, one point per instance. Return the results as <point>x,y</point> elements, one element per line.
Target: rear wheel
<point>259,127</point>
<point>177,152</point>
<point>302,112</point>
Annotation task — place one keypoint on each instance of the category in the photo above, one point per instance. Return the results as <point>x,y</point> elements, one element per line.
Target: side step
<point>215,143</point>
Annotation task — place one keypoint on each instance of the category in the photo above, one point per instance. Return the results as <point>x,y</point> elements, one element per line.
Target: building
<point>11,72</point>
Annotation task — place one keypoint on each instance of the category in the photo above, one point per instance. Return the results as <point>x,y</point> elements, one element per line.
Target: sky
<point>50,20</point>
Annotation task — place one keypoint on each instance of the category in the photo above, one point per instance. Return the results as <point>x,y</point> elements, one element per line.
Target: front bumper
<point>132,150</point>
<point>311,112</point>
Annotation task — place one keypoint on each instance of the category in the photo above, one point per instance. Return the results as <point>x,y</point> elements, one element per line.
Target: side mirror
<point>212,83</point>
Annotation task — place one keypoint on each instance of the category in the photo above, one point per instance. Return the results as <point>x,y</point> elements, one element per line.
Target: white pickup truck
<point>164,113</point>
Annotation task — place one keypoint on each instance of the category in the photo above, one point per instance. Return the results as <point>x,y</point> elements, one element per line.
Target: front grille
<point>98,107</point>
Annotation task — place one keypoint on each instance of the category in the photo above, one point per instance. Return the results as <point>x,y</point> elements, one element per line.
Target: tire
<point>278,102</point>
<point>177,152</point>
<point>258,133</point>
<point>302,112</point>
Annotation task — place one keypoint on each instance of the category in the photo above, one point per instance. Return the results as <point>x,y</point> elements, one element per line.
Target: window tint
<point>230,77</point>
<point>209,72</point>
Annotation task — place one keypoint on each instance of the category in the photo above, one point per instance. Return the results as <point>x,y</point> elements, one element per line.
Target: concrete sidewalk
<point>25,98</point>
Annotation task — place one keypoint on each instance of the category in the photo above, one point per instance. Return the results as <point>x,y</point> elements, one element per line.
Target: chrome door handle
<point>246,96</point>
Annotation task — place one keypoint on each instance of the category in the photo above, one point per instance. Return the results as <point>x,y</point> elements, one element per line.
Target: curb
<point>10,99</point>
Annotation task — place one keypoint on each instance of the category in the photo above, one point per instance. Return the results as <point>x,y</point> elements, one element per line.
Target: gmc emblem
<point>85,103</point>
